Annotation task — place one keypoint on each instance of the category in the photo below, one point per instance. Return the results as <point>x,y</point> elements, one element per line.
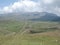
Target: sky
<point>11,6</point>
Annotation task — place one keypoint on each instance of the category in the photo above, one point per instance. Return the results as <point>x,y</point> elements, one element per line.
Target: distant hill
<point>33,16</point>
<point>47,17</point>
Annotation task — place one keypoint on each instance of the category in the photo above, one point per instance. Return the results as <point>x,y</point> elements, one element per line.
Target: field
<point>29,33</point>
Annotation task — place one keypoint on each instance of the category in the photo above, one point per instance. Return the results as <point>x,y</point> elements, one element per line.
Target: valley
<point>29,33</point>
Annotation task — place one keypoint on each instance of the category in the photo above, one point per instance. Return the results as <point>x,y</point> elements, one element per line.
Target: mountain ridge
<point>33,16</point>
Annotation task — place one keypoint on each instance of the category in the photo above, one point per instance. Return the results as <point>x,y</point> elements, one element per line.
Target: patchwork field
<point>29,33</point>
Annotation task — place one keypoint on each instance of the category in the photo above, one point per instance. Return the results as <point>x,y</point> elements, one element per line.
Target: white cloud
<point>57,11</point>
<point>23,5</point>
<point>47,1</point>
<point>32,5</point>
<point>7,9</point>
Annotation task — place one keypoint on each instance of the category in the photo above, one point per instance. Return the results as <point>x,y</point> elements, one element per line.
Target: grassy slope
<point>29,39</point>
<point>45,38</point>
<point>10,26</point>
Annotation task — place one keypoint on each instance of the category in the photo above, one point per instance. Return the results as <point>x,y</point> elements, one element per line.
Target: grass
<point>49,36</point>
<point>32,40</point>
<point>10,26</point>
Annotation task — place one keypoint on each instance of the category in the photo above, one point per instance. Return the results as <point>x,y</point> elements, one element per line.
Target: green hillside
<point>29,33</point>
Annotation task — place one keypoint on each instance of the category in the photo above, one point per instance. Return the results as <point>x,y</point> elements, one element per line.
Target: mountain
<point>47,17</point>
<point>33,16</point>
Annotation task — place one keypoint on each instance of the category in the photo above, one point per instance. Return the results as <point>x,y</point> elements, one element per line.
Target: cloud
<point>47,1</point>
<point>23,5</point>
<point>33,6</point>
